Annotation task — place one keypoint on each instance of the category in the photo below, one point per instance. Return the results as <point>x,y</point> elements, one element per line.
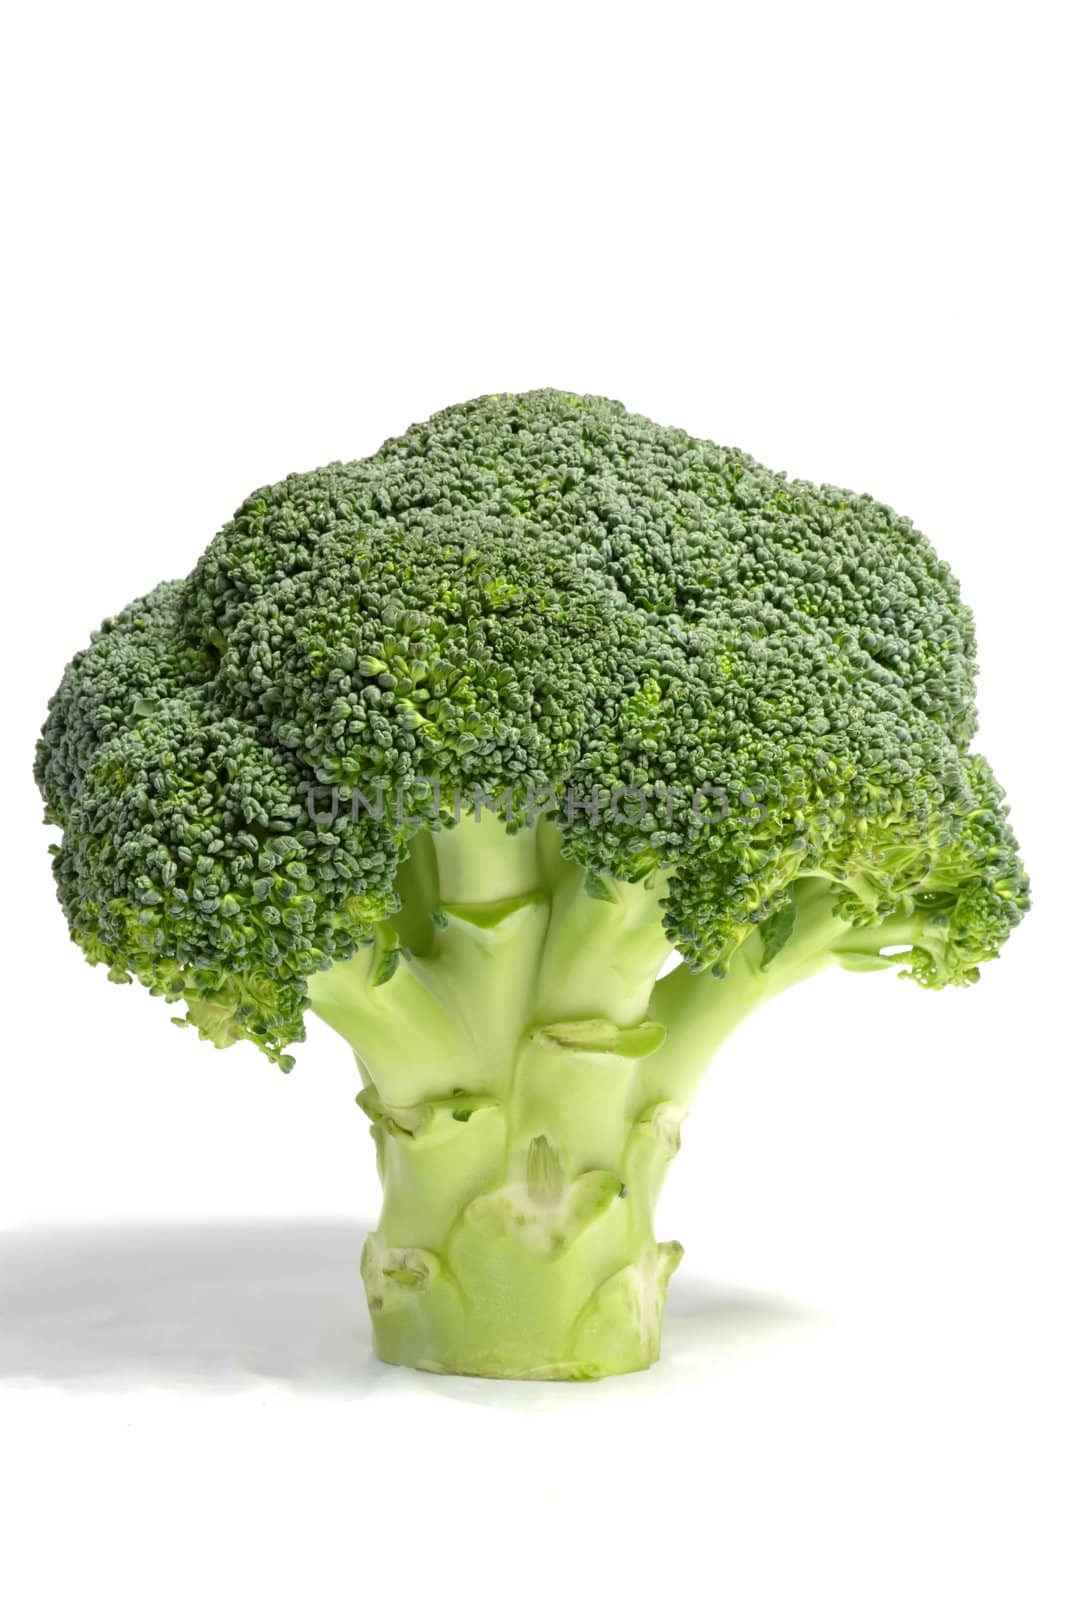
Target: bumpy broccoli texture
<point>718,712</point>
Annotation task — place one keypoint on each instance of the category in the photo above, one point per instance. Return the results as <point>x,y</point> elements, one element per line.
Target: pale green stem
<point>526,1077</point>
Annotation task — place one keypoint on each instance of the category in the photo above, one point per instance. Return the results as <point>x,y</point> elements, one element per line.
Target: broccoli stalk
<point>529,593</point>
<point>526,1074</point>
<point>521,1140</point>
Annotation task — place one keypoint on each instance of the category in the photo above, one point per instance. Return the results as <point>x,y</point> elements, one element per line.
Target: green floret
<point>726,714</point>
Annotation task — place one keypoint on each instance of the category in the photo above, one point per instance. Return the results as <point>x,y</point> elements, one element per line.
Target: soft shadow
<point>217,1305</point>
<point>705,1316</point>
<point>227,1305</point>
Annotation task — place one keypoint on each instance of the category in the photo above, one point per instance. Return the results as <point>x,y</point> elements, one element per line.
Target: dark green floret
<point>531,591</point>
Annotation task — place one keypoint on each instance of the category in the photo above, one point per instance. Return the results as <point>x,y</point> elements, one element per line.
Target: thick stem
<point>516,1234</point>
<point>526,1077</point>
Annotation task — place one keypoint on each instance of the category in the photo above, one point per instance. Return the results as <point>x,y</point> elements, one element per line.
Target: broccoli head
<point>454,746</point>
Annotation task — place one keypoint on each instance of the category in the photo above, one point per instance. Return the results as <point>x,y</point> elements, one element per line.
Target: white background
<point>243,240</point>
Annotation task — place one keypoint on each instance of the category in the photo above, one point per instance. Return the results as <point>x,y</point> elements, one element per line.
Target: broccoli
<point>456,747</point>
